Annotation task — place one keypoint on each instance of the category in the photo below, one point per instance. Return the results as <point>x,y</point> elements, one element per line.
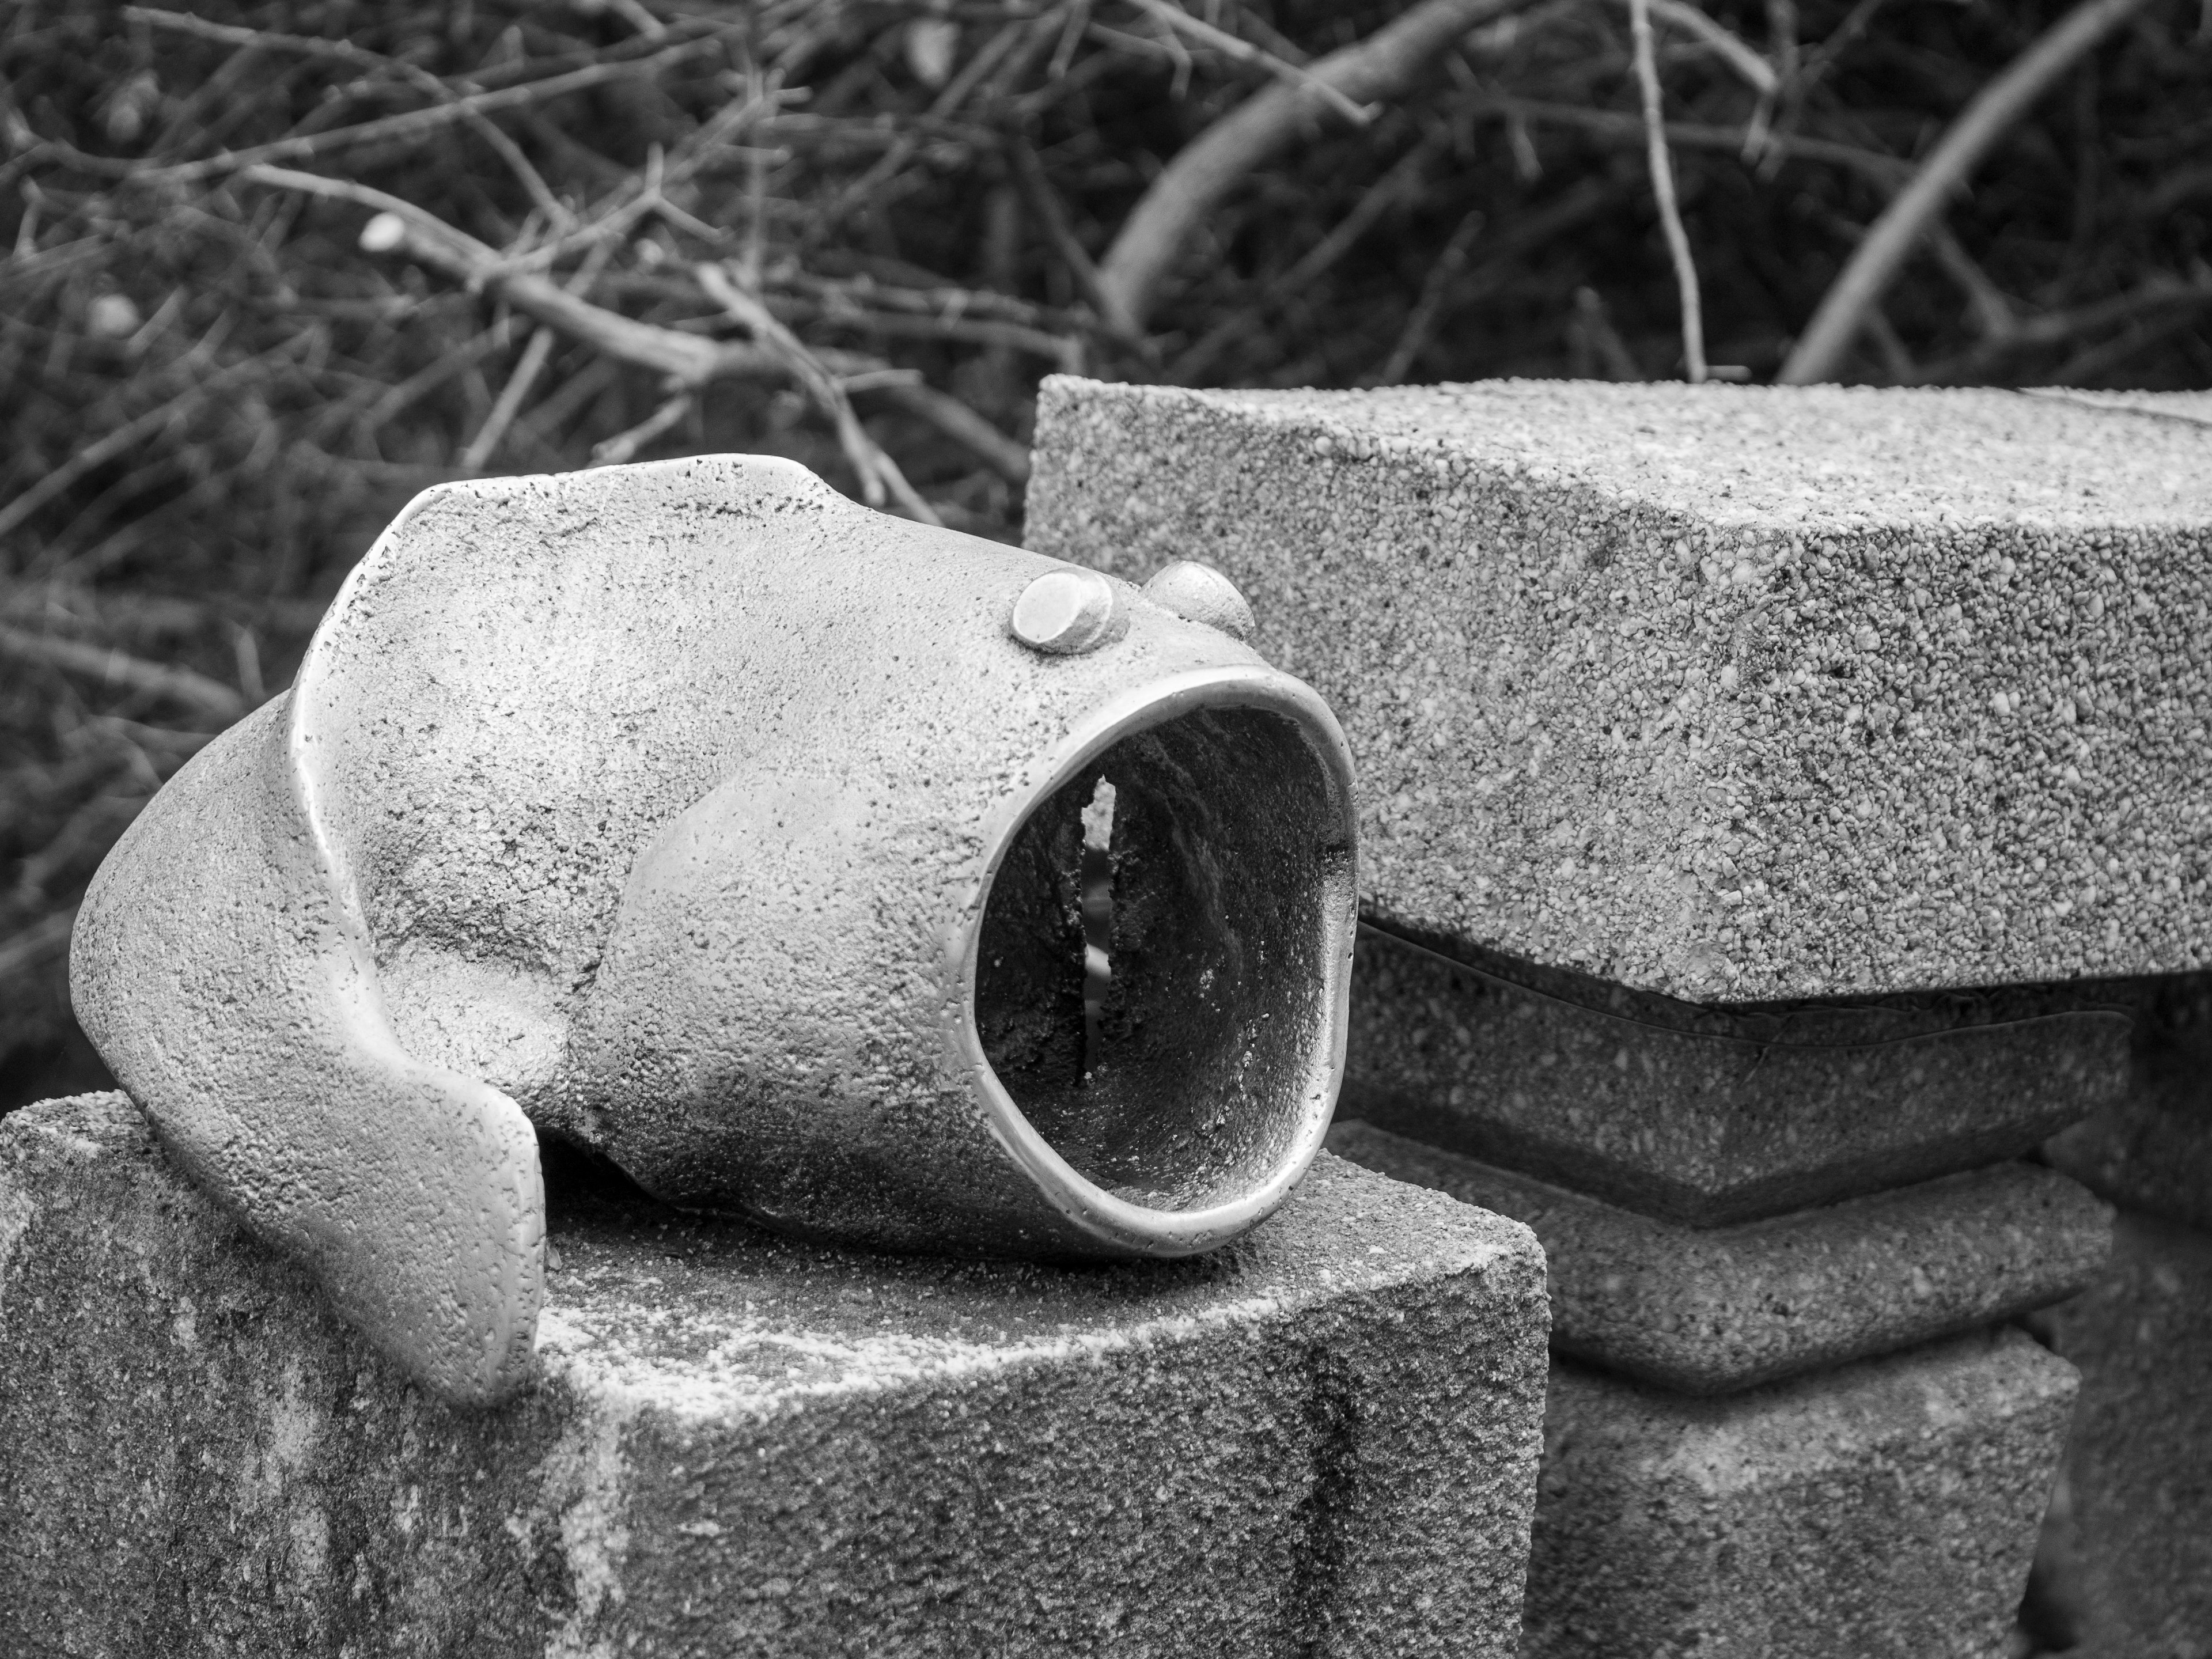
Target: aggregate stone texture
<point>2149,1147</point>
<point>1886,1508</point>
<point>2131,1558</point>
<point>1710,1312</point>
<point>1321,1438</point>
<point>1710,1115</point>
<point>1733,693</point>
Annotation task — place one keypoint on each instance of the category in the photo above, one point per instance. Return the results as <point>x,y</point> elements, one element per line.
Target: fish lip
<point>1100,1220</point>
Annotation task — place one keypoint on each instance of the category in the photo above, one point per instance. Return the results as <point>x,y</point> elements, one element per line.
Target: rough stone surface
<point>1734,693</point>
<point>1321,1438</point>
<point>2132,1561</point>
<point>2148,1146</point>
<point>1711,1310</point>
<point>1889,1508</point>
<point>1707,1115</point>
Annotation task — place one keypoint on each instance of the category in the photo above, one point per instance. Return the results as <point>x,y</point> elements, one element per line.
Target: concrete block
<point>1707,1115</point>
<point>1321,1438</point>
<point>2131,1557</point>
<point>1887,1508</point>
<point>1733,693</point>
<point>2148,1146</point>
<point>1711,1311</point>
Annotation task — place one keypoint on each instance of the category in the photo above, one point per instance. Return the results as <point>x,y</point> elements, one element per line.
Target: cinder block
<point>2148,1145</point>
<point>1321,1438</point>
<point>1707,1115</point>
<point>1732,693</point>
<point>1887,1508</point>
<point>1709,1311</point>
<point>2130,1556</point>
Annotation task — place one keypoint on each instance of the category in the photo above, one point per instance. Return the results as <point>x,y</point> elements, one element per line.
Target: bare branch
<point>1754,71</point>
<point>690,360</point>
<point>878,472</point>
<point>113,667</point>
<point>45,937</point>
<point>413,122</point>
<point>1843,309</point>
<point>1205,170</point>
<point>1662,189</point>
<point>1245,52</point>
<point>1009,459</point>
<point>132,432</point>
<point>614,450</point>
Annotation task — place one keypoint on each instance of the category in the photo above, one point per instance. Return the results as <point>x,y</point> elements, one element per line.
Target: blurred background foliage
<point>272,268</point>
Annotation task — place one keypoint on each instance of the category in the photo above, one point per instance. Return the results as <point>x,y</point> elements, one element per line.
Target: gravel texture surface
<point>1734,693</point>
<point>1887,1509</point>
<point>1321,1437</point>
<point>1712,1310</point>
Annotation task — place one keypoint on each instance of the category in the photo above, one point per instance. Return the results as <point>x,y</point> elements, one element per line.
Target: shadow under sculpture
<point>693,814</point>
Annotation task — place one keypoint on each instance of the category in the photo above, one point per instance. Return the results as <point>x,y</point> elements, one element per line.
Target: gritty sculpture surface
<point>808,864</point>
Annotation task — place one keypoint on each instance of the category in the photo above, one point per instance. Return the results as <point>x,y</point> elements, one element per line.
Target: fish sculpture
<point>878,882</point>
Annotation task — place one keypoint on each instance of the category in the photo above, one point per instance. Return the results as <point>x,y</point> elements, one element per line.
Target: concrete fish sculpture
<point>875,882</point>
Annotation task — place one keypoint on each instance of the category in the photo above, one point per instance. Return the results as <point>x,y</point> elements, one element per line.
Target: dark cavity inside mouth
<point>1152,982</point>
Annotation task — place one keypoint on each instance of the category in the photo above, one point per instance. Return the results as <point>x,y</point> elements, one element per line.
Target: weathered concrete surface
<point>1889,1508</point>
<point>1734,693</point>
<point>2148,1147</point>
<point>1321,1438</point>
<point>2132,1554</point>
<point>1710,1115</point>
<point>1712,1310</point>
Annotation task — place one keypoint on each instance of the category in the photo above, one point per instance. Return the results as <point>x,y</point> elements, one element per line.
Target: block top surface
<point>707,1320</point>
<point>1734,694</point>
<point>1802,457</point>
<point>720,1320</point>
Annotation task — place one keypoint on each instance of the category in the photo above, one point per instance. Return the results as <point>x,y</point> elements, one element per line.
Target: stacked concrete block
<point>1752,783</point>
<point>1322,1438</point>
<point>2129,1551</point>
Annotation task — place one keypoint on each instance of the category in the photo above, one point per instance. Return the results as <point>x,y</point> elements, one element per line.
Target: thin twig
<point>1414,338</point>
<point>115,667</point>
<point>131,432</point>
<point>614,450</point>
<point>1245,52</point>
<point>41,939</point>
<point>1843,310</point>
<point>1752,69</point>
<point>419,385</point>
<point>1993,312</point>
<point>526,370</point>
<point>401,227</point>
<point>878,472</point>
<point>1044,203</point>
<point>1663,190</point>
<point>1888,170</point>
<point>412,124</point>
<point>1009,459</point>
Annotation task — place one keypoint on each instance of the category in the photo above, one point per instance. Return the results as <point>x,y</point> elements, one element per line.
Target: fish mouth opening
<point>1161,967</point>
